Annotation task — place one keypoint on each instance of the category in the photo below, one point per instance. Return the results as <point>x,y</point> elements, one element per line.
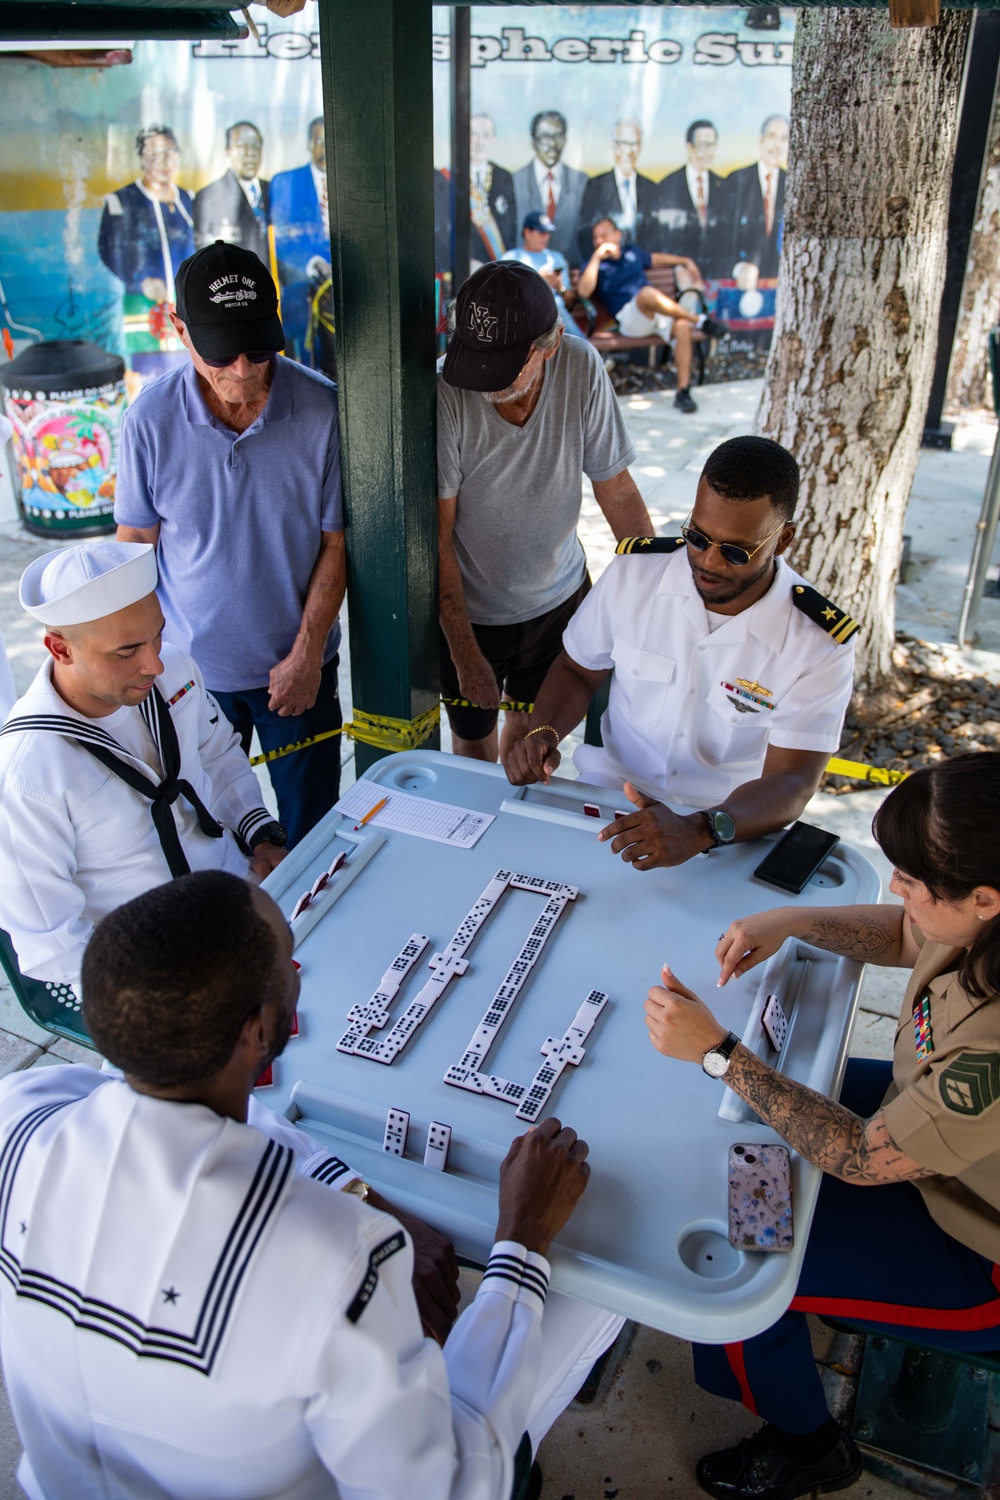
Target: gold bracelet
<point>540,728</point>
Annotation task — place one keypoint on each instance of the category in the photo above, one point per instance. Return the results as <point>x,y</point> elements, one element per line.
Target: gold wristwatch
<point>359,1188</point>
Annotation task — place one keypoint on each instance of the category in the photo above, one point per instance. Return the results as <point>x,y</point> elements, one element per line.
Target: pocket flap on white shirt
<point>648,666</point>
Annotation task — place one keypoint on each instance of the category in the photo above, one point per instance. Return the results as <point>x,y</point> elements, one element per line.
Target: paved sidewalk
<point>641,1440</point>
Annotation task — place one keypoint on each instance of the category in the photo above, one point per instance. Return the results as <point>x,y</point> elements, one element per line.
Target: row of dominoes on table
<point>451,962</point>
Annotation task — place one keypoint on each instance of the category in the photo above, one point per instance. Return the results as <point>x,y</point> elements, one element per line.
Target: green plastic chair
<point>56,1007</point>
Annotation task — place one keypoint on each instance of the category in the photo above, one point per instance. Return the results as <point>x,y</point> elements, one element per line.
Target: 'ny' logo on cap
<point>482,323</point>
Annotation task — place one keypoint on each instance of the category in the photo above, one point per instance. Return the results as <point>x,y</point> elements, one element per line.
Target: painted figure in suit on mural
<point>547,185</point>
<point>491,195</point>
<point>694,206</point>
<point>301,217</point>
<point>622,195</point>
<point>235,207</point>
<point>146,231</point>
<point>759,205</point>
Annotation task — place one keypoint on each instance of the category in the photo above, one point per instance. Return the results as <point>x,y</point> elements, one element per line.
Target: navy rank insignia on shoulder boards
<point>648,544</point>
<point>822,612</point>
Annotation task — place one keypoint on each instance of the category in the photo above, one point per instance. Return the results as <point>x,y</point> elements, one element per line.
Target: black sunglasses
<point>732,551</point>
<point>260,357</point>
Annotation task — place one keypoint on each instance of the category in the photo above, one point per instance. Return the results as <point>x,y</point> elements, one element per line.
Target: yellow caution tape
<point>406,734</point>
<point>318,318</point>
<point>860,772</point>
<point>371,729</point>
<point>393,734</point>
<point>510,706</point>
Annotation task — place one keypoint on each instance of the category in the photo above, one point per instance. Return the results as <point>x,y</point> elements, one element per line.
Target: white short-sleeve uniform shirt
<point>696,699</point>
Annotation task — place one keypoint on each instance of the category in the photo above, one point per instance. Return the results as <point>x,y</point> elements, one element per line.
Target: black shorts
<point>520,656</point>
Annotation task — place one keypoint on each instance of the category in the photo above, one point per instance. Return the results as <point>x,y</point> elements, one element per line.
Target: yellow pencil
<point>370,814</point>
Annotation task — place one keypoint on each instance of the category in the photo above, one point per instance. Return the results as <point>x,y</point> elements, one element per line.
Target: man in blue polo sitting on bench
<point>617,273</point>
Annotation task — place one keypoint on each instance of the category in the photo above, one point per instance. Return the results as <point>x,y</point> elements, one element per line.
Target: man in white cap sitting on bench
<point>117,771</point>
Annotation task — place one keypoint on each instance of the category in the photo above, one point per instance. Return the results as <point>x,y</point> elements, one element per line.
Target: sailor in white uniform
<point>188,1306</point>
<point>730,674</point>
<point>117,770</point>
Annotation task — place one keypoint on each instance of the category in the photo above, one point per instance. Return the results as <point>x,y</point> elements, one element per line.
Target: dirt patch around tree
<point>734,359</point>
<point>934,708</point>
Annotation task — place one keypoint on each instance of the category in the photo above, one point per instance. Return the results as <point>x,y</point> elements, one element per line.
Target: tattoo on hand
<point>865,938</point>
<point>822,1131</point>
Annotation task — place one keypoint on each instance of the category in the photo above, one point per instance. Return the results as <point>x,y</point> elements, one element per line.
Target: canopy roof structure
<point>142,20</point>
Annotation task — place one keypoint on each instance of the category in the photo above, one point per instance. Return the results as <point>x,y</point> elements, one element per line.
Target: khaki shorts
<point>635,324</point>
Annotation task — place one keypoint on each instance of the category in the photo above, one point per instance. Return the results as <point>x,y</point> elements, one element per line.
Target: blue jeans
<point>307,782</point>
<point>875,1256</point>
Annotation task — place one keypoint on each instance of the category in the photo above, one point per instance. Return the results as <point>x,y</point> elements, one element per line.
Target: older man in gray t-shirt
<point>522,416</point>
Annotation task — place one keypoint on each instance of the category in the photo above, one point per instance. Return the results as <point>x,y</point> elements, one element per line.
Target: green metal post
<point>378,106</point>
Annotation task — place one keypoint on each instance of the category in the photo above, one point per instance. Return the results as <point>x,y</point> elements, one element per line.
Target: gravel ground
<point>734,359</point>
<point>935,709</point>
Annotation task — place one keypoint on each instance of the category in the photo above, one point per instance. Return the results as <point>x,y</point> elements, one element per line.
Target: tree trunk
<point>874,117</point>
<point>968,378</point>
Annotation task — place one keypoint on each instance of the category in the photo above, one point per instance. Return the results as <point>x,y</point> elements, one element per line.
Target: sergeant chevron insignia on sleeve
<point>971,1083</point>
<point>836,622</point>
<point>648,544</point>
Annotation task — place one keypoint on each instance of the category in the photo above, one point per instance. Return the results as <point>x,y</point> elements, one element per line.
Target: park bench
<point>605,337</point>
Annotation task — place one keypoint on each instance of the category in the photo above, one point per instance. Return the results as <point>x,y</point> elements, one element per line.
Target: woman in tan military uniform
<point>917,1252</point>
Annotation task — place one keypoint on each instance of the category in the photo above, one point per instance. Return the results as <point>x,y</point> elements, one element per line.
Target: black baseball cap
<point>499,312</point>
<point>226,299</point>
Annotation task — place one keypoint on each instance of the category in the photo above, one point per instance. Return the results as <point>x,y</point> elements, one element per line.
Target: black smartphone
<point>796,857</point>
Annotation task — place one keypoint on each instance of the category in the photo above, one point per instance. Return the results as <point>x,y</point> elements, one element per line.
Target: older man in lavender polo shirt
<point>230,465</point>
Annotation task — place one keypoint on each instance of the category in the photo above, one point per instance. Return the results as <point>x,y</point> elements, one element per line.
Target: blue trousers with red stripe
<point>876,1257</point>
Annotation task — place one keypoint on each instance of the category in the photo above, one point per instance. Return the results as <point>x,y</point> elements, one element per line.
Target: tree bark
<point>874,117</point>
<point>968,377</point>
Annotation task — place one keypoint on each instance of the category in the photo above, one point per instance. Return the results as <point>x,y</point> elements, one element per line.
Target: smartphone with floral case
<point>760,1198</point>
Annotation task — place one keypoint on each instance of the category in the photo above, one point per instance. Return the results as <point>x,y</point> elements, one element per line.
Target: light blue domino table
<point>649,1238</point>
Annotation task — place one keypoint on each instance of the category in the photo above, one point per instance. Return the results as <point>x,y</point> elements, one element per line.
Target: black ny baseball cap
<point>499,312</point>
<point>226,299</point>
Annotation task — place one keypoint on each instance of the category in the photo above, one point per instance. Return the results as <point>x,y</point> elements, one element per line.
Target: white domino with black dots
<point>397,1125</point>
<point>436,1150</point>
<point>775,1022</point>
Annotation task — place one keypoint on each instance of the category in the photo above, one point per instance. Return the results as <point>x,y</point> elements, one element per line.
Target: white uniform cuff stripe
<point>328,1170</point>
<point>252,821</point>
<point>517,1273</point>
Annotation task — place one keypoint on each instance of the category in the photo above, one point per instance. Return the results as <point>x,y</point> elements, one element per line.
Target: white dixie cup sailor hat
<point>78,584</point>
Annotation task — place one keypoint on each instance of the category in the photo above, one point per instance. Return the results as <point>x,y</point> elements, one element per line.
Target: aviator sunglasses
<point>261,357</point>
<point>733,552</point>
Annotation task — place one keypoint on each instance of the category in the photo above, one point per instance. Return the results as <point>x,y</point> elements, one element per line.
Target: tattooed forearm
<point>866,933</point>
<point>825,1133</point>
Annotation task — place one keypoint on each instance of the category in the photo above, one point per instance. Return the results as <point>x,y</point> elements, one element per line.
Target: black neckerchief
<point>103,747</point>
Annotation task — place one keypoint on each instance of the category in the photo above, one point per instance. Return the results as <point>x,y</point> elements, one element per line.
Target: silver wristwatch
<point>721,827</point>
<point>717,1059</point>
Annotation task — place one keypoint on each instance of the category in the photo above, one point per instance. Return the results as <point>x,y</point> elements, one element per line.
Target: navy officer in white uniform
<point>221,1322</point>
<point>117,770</point>
<point>730,674</point>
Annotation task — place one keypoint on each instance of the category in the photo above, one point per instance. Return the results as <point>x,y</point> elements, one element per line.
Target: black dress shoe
<point>755,1470</point>
<point>683,400</point>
